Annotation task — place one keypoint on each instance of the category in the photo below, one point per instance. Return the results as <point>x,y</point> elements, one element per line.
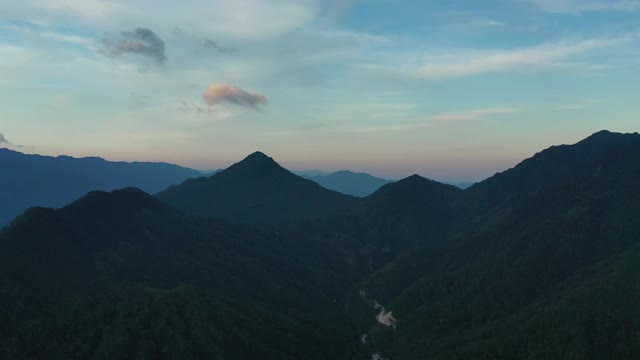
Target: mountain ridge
<point>348,182</point>
<point>257,189</point>
<point>37,180</point>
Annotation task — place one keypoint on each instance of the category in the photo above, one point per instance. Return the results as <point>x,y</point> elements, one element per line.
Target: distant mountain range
<point>35,180</point>
<point>354,183</point>
<point>347,182</point>
<point>541,261</point>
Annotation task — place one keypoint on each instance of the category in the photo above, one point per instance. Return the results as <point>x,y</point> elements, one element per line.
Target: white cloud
<point>583,6</point>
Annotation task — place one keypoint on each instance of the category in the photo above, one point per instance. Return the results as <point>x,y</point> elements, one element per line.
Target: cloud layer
<point>140,41</point>
<point>225,93</point>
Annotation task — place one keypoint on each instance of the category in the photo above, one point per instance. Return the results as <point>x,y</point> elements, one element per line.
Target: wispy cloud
<point>575,106</point>
<point>583,6</point>
<point>464,63</point>
<point>208,43</point>
<point>39,31</point>
<point>91,11</point>
<point>429,120</point>
<point>225,93</point>
<point>243,19</point>
<point>3,140</point>
<point>488,23</point>
<point>140,41</point>
<point>472,115</point>
<point>475,63</point>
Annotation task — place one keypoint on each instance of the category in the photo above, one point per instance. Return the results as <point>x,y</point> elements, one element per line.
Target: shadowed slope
<point>256,190</point>
<point>122,275</point>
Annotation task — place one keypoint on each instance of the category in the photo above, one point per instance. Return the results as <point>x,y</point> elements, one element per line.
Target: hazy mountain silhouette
<point>356,184</point>
<point>350,183</point>
<point>34,180</point>
<point>461,184</point>
<point>310,173</point>
<point>255,190</point>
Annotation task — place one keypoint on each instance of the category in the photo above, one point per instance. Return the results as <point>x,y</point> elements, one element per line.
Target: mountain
<point>255,190</point>
<point>122,275</point>
<point>310,173</point>
<point>540,272</point>
<point>34,180</point>
<point>347,182</point>
<point>551,168</point>
<point>356,184</point>
<point>210,172</point>
<point>414,209</point>
<point>541,261</point>
<point>462,185</point>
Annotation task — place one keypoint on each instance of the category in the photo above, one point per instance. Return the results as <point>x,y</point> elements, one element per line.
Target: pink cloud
<point>225,93</point>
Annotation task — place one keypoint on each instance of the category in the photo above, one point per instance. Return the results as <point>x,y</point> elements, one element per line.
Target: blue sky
<point>453,90</point>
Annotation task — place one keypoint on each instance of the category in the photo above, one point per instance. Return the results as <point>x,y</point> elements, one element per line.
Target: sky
<point>451,90</point>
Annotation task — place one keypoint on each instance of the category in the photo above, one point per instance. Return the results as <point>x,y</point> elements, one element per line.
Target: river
<point>383,317</point>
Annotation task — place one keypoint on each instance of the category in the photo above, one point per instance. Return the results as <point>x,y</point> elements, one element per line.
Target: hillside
<point>121,275</point>
<point>492,288</point>
<point>34,180</point>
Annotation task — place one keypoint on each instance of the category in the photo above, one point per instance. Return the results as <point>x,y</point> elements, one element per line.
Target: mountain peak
<point>415,180</point>
<point>415,177</point>
<point>608,138</point>
<point>130,198</point>
<point>258,155</point>
<point>258,159</point>
<point>414,185</point>
<point>255,190</point>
